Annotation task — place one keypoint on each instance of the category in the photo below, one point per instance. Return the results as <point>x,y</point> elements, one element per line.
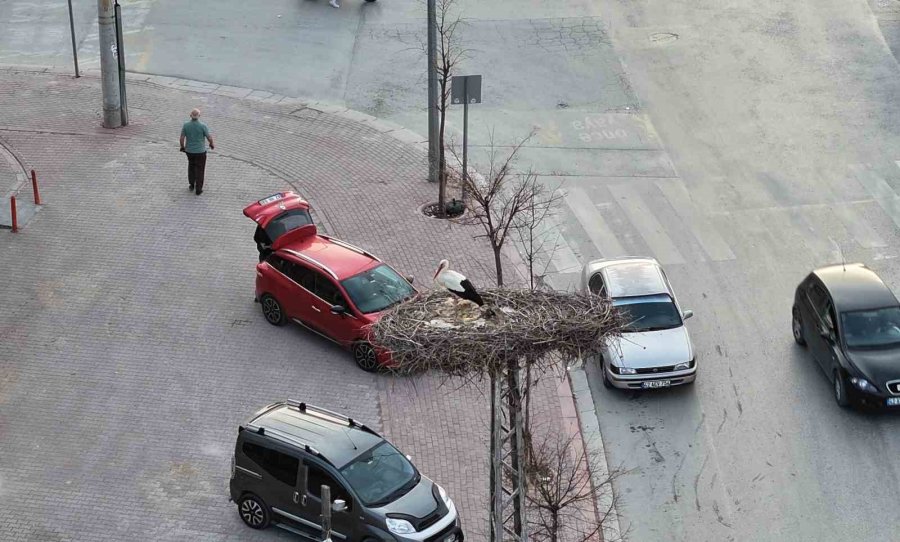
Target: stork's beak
<point>436,274</point>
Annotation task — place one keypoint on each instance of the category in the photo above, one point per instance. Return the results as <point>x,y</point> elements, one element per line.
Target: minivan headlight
<point>400,526</point>
<point>444,495</point>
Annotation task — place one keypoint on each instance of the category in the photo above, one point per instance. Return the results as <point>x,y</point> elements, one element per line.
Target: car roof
<point>633,277</point>
<point>855,287</point>
<point>333,437</point>
<point>342,260</point>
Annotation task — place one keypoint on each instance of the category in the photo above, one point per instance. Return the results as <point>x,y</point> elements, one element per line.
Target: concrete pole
<point>433,142</point>
<point>109,64</point>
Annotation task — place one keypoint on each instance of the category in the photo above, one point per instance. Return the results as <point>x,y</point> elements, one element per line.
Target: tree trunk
<point>498,265</point>
<point>554,526</point>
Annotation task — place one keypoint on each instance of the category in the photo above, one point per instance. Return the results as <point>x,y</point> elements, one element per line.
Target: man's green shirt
<point>195,132</point>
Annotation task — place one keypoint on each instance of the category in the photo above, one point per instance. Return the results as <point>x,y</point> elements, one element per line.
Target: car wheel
<point>272,310</point>
<point>254,512</point>
<point>797,327</point>
<point>365,356</point>
<point>606,383</point>
<point>840,389</point>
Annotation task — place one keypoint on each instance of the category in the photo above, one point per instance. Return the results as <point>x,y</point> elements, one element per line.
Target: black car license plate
<point>893,401</point>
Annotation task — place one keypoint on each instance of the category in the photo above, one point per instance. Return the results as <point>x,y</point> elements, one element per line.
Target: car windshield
<point>377,289</point>
<point>381,475</point>
<point>876,328</point>
<point>648,313</point>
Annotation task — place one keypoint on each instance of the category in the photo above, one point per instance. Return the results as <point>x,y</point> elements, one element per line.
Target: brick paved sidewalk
<point>130,346</point>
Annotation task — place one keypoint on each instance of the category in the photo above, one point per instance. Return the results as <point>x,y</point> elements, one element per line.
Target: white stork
<point>456,283</point>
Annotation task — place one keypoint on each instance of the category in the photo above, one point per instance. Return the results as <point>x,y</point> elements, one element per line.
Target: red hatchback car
<point>331,287</point>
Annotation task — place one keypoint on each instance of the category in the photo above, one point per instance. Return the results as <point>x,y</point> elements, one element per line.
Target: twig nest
<point>437,331</point>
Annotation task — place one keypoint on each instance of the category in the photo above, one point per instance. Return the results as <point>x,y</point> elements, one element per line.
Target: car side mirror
<point>687,314</point>
<point>410,278</point>
<point>339,310</point>
<point>339,505</point>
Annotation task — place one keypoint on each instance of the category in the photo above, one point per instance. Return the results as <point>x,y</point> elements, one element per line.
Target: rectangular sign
<point>465,88</point>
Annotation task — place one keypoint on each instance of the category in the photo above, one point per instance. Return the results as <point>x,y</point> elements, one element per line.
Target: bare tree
<point>503,200</point>
<point>565,502</point>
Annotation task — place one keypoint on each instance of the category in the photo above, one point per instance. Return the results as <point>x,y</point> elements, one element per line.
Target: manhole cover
<point>662,38</point>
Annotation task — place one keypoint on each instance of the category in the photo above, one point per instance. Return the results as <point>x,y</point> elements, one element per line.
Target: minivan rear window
<point>281,466</point>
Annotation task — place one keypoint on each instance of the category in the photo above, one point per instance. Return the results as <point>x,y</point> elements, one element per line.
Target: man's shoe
<point>199,192</point>
<point>334,4</point>
<point>190,187</point>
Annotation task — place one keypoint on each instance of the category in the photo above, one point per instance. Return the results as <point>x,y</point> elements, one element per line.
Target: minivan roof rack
<point>312,409</point>
<point>289,439</point>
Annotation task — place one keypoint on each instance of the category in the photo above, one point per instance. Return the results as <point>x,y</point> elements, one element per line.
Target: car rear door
<point>278,283</point>
<point>281,480</point>
<point>820,330</point>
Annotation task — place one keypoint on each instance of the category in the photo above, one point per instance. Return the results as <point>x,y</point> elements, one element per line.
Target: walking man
<point>193,142</point>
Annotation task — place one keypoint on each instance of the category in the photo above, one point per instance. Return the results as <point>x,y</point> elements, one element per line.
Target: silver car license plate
<point>893,401</point>
<point>657,384</point>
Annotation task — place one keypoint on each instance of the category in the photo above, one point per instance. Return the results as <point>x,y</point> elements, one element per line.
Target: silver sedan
<point>655,349</point>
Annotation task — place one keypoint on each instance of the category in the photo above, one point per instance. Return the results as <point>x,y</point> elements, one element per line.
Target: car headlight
<point>400,526</point>
<point>627,371</point>
<point>444,496</point>
<point>863,385</point>
<point>683,366</point>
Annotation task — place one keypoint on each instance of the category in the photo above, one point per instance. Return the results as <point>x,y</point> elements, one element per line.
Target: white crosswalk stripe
<point>702,229</point>
<point>645,222</point>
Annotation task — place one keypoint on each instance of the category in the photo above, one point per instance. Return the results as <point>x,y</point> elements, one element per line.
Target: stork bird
<point>456,283</point>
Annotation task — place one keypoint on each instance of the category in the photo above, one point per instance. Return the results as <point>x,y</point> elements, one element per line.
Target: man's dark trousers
<point>196,170</point>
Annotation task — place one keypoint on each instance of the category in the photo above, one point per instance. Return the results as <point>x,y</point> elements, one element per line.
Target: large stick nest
<point>437,331</point>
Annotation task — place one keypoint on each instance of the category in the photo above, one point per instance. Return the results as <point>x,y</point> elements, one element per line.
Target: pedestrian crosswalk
<point>662,218</point>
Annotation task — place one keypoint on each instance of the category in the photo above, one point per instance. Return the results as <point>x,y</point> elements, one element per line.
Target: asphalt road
<point>743,145</point>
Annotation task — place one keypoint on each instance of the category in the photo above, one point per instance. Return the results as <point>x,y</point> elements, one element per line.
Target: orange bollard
<point>12,209</point>
<point>37,195</point>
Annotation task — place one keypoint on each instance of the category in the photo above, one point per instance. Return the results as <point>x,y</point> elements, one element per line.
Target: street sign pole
<point>74,47</point>
<point>465,89</point>
<point>465,138</point>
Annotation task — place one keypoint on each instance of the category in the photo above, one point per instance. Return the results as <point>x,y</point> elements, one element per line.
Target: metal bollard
<point>12,209</point>
<point>37,195</point>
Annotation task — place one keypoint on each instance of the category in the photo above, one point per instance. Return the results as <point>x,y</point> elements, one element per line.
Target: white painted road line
<point>705,233</point>
<point>593,223</point>
<point>855,222</point>
<point>880,190</point>
<point>648,226</point>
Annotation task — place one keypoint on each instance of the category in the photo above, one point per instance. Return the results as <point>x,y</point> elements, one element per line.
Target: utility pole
<point>109,64</point>
<point>433,142</point>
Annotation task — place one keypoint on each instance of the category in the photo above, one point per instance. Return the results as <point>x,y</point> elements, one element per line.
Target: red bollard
<point>12,209</point>
<point>37,195</point>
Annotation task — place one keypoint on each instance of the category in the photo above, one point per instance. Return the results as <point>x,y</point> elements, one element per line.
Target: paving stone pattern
<point>130,345</point>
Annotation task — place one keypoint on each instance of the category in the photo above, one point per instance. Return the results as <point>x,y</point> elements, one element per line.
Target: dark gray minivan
<point>288,450</point>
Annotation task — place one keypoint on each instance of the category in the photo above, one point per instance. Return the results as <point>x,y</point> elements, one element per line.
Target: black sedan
<point>850,321</point>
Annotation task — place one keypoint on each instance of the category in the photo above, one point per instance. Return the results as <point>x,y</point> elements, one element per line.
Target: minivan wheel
<point>797,327</point>
<point>365,357</point>
<point>272,310</point>
<point>253,511</point>
<point>840,389</point>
